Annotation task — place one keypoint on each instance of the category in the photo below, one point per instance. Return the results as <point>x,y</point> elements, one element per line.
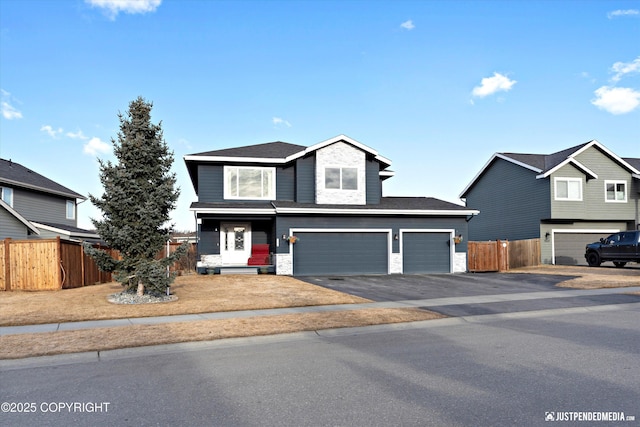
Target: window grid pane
<point>574,190</point>
<point>349,178</point>
<point>562,191</point>
<point>332,178</point>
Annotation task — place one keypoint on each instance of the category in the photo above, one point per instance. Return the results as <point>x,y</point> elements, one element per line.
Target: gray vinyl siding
<point>209,238</point>
<point>285,183</point>
<point>42,207</point>
<point>459,224</point>
<point>593,205</point>
<point>374,184</point>
<point>511,202</point>
<point>10,227</point>
<point>306,180</point>
<point>210,183</point>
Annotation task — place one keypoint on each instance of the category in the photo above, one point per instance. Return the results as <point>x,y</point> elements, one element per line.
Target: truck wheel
<point>593,259</point>
<point>619,264</point>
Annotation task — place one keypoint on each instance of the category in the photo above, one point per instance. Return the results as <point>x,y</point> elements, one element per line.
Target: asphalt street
<point>516,369</point>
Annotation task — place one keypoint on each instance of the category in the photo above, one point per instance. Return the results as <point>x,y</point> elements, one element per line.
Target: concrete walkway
<point>487,304</point>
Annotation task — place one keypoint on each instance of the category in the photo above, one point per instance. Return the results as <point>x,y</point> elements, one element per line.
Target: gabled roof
<point>17,216</point>
<point>15,174</point>
<point>546,164</point>
<point>269,150</point>
<point>273,153</point>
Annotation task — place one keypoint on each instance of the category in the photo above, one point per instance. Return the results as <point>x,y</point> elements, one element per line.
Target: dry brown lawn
<point>42,344</point>
<point>196,294</point>
<point>588,277</point>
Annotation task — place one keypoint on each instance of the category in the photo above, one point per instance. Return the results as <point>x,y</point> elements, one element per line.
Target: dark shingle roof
<point>65,227</point>
<point>535,160</point>
<point>633,162</point>
<point>544,162</point>
<point>15,174</point>
<point>269,150</point>
<point>386,203</point>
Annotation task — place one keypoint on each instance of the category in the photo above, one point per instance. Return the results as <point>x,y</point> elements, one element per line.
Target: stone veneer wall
<point>341,154</point>
<point>284,264</point>
<point>460,262</point>
<point>395,266</point>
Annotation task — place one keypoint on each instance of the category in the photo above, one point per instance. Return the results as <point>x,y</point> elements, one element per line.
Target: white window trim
<point>227,190</point>
<point>2,195</point>
<point>341,168</point>
<point>614,181</point>
<point>566,199</point>
<point>66,208</point>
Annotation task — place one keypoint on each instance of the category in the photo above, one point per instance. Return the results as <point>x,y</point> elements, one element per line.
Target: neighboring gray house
<point>33,206</point>
<point>567,199</point>
<point>318,210</point>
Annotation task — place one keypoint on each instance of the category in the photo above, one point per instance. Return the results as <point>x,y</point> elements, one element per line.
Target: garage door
<point>569,247</point>
<point>340,253</point>
<point>426,253</point>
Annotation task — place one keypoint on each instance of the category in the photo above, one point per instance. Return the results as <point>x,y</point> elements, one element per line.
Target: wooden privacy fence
<point>502,255</point>
<point>45,265</point>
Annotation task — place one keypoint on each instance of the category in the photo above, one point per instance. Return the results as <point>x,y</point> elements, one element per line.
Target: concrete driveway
<point>429,286</point>
<point>508,292</point>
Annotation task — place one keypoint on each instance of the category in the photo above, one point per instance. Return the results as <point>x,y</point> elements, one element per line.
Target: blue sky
<point>435,86</point>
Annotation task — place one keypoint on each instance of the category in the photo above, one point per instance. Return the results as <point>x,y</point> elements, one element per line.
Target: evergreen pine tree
<point>138,196</point>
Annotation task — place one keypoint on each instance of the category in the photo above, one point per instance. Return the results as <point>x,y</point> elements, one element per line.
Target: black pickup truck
<point>621,248</point>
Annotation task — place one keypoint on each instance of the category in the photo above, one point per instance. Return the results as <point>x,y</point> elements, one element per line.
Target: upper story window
<point>615,191</point>
<point>341,178</point>
<point>246,182</point>
<point>71,209</point>
<point>7,195</point>
<point>568,189</point>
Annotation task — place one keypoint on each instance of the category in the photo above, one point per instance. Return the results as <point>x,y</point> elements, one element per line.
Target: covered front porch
<point>236,245</point>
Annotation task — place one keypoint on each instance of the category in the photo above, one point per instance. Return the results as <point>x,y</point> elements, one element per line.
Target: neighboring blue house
<point>33,206</point>
<point>318,210</point>
<point>567,199</point>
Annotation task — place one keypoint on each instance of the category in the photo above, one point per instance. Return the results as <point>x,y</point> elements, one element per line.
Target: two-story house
<point>318,210</point>
<point>566,199</point>
<point>33,206</point>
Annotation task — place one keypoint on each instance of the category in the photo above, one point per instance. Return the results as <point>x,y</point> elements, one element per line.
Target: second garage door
<point>428,252</point>
<point>326,253</point>
<point>569,247</point>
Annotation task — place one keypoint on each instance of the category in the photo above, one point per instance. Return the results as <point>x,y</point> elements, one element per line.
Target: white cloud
<point>95,146</point>
<point>491,85</point>
<point>278,122</point>
<point>9,112</point>
<point>616,100</point>
<point>113,7</point>
<point>77,135</point>
<point>53,133</point>
<point>408,25</point>
<point>619,12</point>
<point>622,68</point>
